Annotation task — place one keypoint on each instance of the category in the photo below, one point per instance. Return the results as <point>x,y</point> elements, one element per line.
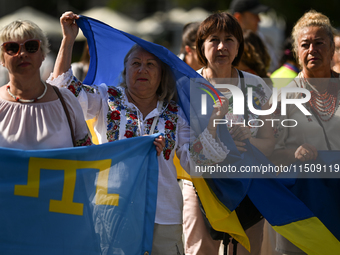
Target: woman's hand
<point>70,31</point>
<point>240,133</point>
<point>160,144</point>
<point>306,152</point>
<point>219,112</point>
<point>68,25</point>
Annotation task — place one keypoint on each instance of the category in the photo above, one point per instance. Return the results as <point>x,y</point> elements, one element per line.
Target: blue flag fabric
<point>108,47</point>
<point>283,202</point>
<point>87,200</point>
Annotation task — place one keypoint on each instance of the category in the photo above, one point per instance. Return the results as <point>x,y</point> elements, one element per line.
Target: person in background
<point>4,79</point>
<point>313,45</point>
<point>336,56</point>
<point>255,58</point>
<point>47,66</point>
<point>188,49</point>
<point>220,46</point>
<point>32,116</point>
<point>289,67</point>
<point>81,68</point>
<point>143,104</point>
<point>247,14</point>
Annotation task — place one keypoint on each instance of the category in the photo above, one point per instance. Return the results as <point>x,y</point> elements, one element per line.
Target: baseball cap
<point>253,6</point>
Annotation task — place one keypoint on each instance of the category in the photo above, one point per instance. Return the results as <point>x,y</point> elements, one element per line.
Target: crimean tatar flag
<point>91,200</point>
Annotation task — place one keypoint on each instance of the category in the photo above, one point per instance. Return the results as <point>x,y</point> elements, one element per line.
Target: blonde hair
<point>311,18</point>
<point>167,87</point>
<point>20,30</point>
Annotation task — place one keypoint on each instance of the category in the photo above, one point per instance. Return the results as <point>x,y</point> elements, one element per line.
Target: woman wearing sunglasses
<point>33,115</point>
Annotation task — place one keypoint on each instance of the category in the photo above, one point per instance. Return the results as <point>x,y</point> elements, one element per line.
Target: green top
<point>282,76</point>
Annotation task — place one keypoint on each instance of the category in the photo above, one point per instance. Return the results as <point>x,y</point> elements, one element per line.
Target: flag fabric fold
<point>296,208</point>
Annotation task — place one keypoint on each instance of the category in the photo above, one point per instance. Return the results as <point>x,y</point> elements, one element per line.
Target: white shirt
<point>117,118</point>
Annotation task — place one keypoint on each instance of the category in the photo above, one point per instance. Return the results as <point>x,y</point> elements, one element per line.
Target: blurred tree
<point>292,10</point>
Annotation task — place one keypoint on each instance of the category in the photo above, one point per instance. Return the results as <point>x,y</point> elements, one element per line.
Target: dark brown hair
<point>189,35</point>
<point>218,22</point>
<point>255,53</point>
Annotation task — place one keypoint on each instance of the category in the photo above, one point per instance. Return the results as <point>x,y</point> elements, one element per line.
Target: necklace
<point>27,100</point>
<point>324,104</point>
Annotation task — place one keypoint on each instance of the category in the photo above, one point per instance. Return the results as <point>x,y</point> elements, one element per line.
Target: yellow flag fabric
<point>220,218</point>
<point>90,124</point>
<point>303,232</point>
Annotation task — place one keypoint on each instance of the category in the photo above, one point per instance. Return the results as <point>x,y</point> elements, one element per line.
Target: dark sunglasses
<point>13,48</point>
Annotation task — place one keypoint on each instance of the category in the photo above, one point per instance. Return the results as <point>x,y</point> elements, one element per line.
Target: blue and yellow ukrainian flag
<point>306,211</point>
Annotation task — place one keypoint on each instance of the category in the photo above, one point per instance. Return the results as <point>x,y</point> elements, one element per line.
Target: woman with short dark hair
<point>220,46</point>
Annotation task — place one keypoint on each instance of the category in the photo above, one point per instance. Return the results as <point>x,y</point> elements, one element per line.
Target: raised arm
<point>70,30</point>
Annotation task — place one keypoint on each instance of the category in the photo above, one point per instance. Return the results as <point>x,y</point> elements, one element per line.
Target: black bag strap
<point>66,112</point>
<point>244,91</point>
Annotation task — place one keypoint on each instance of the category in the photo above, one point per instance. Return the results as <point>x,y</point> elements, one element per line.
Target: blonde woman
<point>313,45</point>
<point>32,115</point>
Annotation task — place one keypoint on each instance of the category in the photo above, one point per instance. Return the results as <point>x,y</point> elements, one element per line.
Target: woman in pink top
<point>31,112</point>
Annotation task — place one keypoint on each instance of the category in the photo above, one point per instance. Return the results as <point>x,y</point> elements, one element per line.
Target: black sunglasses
<point>13,48</point>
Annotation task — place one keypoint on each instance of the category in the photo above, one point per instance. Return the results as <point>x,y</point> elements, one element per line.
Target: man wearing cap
<point>247,14</point>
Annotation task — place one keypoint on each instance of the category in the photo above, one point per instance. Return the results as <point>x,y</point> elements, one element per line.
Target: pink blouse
<point>36,126</point>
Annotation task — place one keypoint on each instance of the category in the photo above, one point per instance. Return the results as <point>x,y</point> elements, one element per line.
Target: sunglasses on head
<point>13,48</point>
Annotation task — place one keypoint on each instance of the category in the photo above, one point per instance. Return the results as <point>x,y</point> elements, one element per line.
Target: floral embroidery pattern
<point>196,151</point>
<point>113,115</point>
<point>259,90</point>
<point>148,125</point>
<point>131,128</point>
<point>170,117</point>
<point>76,86</point>
<point>84,142</point>
<point>197,146</point>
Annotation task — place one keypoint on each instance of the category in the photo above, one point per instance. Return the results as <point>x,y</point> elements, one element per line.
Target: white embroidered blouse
<point>116,118</point>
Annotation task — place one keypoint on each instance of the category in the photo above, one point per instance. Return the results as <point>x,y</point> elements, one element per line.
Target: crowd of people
<point>224,48</point>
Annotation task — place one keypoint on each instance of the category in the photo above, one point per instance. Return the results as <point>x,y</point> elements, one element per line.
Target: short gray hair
<point>167,87</point>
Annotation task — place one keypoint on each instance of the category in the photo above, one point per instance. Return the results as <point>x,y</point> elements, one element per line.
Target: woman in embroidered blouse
<point>313,46</point>
<point>219,46</point>
<point>31,115</point>
<point>144,98</point>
